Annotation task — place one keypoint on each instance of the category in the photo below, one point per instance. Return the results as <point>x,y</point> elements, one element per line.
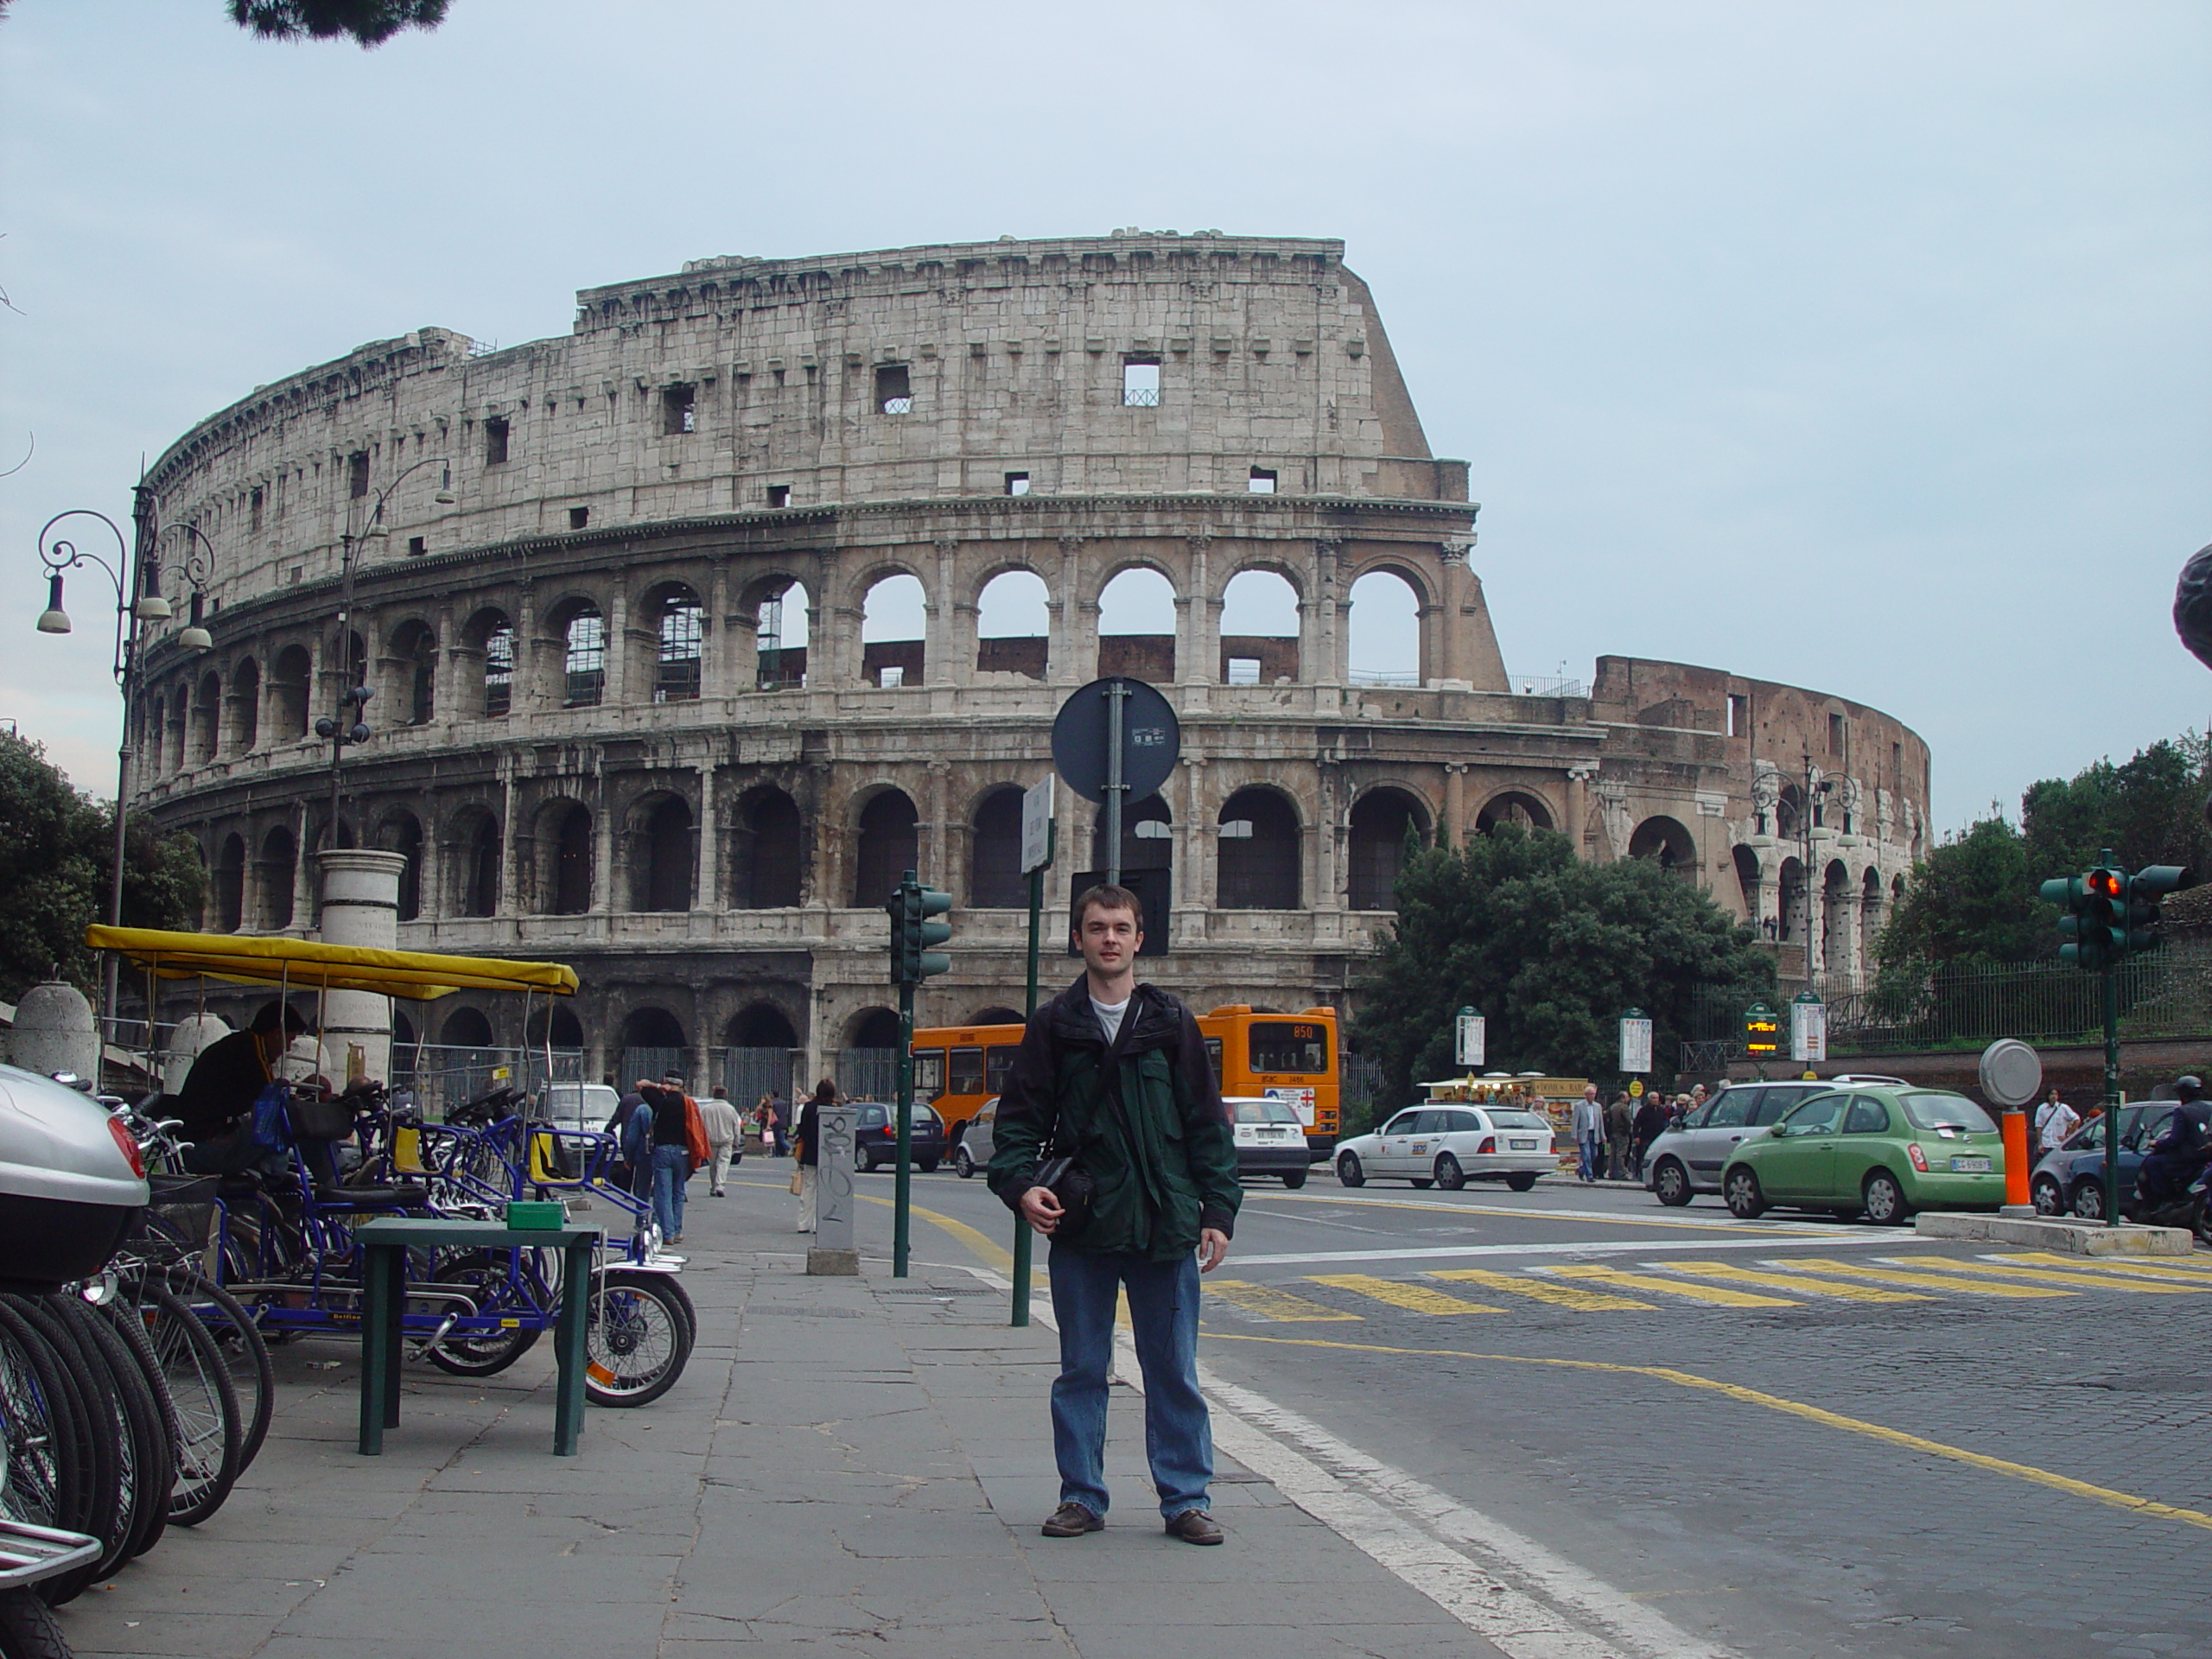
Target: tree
<point>1972,899</point>
<point>57,847</point>
<point>370,22</point>
<point>1552,951</point>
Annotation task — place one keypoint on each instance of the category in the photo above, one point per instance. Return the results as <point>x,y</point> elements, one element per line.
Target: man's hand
<point>1041,1210</point>
<point>1213,1247</point>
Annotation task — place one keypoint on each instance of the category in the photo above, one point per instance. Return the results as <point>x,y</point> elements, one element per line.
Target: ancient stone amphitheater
<point>689,631</point>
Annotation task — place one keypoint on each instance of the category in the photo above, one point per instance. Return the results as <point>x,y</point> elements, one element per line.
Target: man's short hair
<point>273,1014</point>
<point>1106,895</point>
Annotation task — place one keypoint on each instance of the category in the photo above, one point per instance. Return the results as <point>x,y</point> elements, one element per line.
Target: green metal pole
<point>901,1192</point>
<point>1024,1240</point>
<point>2111,1098</point>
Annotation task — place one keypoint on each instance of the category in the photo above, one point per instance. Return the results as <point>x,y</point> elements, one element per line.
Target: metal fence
<point>867,1073</point>
<point>1359,1086</point>
<point>442,1078</point>
<point>751,1073</point>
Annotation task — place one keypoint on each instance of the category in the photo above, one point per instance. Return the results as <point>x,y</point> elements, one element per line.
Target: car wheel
<point>962,1165</point>
<point>1294,1178</point>
<point>929,1165</point>
<point>1449,1175</point>
<point>2089,1200</point>
<point>863,1162</point>
<point>1886,1206</point>
<point>1671,1182</point>
<point>1348,1173</point>
<point>1745,1201</point>
<point>1520,1183</point>
<point>1423,1182</point>
<point>2050,1197</point>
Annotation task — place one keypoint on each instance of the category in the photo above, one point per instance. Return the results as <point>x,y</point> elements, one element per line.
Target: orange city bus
<point>1288,1057</point>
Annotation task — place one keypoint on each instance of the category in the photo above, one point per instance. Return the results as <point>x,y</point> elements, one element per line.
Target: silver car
<point>1688,1159</point>
<point>974,1152</point>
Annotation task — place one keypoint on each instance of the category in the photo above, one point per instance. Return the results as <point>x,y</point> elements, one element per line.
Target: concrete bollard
<point>360,906</point>
<point>55,1032</point>
<point>192,1034</point>
<point>834,1251</point>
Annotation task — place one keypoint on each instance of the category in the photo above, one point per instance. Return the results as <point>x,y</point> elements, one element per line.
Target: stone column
<point>360,906</point>
<point>706,868</point>
<point>1455,805</point>
<point>1577,804</point>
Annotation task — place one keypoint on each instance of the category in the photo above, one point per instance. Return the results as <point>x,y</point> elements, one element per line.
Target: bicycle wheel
<point>27,1627</point>
<point>244,1351</point>
<point>92,1442</point>
<point>123,1321</point>
<point>40,1479</point>
<point>636,1339</point>
<point>684,1304</point>
<point>146,1456</point>
<point>210,1436</point>
<point>489,1354</point>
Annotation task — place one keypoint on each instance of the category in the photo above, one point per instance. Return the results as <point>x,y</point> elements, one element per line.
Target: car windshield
<point>1261,1111</point>
<point>1936,1113</point>
<point>1518,1121</point>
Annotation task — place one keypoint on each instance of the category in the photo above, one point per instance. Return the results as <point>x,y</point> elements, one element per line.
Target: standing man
<point>1115,1074</point>
<point>1619,1121</point>
<point>723,1129</point>
<point>216,1103</point>
<point>1589,1131</point>
<point>2054,1121</point>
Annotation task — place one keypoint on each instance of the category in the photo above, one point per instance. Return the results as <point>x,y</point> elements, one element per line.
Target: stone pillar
<point>360,906</point>
<point>706,867</point>
<point>1455,805</point>
<point>1577,804</point>
<point>833,1250</point>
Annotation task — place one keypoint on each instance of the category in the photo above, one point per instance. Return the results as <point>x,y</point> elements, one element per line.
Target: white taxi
<point>1448,1146</point>
<point>1270,1138</point>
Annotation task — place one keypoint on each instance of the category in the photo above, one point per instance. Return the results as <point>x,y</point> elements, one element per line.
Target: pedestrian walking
<point>723,1132</point>
<point>1111,1141</point>
<point>671,1161</point>
<point>2054,1121</point>
<point>1589,1127</point>
<point>1620,1124</point>
<point>774,1128</point>
<point>808,1145</point>
<point>630,1124</point>
<point>1650,1124</point>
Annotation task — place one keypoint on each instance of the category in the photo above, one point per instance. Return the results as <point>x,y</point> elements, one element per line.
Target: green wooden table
<point>385,1244</point>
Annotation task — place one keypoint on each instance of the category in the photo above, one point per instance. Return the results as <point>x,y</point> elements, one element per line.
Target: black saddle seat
<point>370,1197</point>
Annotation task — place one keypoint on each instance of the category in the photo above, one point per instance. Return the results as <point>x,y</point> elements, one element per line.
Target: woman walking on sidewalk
<point>807,1144</point>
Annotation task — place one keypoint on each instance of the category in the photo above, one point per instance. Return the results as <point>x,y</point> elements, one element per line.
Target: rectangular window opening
<point>1244,671</point>
<point>495,441</point>
<point>1836,738</point>
<point>679,409</point>
<point>890,677</point>
<point>779,495</point>
<point>1739,715</point>
<point>578,517</point>
<point>1262,481</point>
<point>1017,483</point>
<point>357,474</point>
<point>894,390</point>
<point>1897,766</point>
<point>255,500</point>
<point>1141,382</point>
<point>415,547</point>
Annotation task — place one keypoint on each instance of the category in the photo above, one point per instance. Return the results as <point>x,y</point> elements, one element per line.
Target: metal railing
<point>1375,677</point>
<point>867,1073</point>
<point>1545,685</point>
<point>441,1077</point>
<point>1141,397</point>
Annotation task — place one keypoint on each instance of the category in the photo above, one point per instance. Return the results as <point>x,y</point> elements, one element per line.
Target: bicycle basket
<point>320,1120</point>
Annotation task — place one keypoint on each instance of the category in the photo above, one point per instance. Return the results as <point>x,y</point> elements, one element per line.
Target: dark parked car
<point>2071,1180</point>
<point>876,1136</point>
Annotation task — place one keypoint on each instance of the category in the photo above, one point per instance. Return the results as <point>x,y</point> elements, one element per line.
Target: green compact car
<point>1882,1153</point>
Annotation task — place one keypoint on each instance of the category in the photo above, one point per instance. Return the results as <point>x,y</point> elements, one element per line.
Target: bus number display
<point>1288,1046</point>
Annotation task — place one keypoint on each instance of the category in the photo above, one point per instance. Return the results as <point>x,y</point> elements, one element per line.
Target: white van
<point>579,1105</point>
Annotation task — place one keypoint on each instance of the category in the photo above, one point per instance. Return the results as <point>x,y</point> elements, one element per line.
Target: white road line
<point>1704,1220</point>
<point>1524,1599</point>
<point>1572,1247</point>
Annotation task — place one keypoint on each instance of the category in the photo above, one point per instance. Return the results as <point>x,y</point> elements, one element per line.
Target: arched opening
<point>1382,630</point>
<point>887,847</point>
<point>1748,883</point>
<point>208,718</point>
<point>557,1027</point>
<point>414,674</point>
<point>1789,813</point>
<point>1259,630</point>
<point>874,1028</point>
<point>780,637</point>
<point>661,862</point>
<point>1871,915</point>
<point>402,833</point>
<point>1513,807</point>
<point>1381,820</point>
<point>760,1050</point>
<point>245,700</point>
<point>476,864</point>
<point>652,1047</point>
<point>995,1016</point>
<point>995,877</point>
<point>1013,625</point>
<point>679,625</point>
<point>1665,842</point>
<point>767,852</point>
<point>288,683</point>
<point>490,638</point>
<point>1836,934</point>
<point>275,872</point>
<point>581,632</point>
<point>761,1025</point>
<point>466,1028</point>
<point>895,626</point>
<point>1136,626</point>
<point>1790,901</point>
<point>565,859</point>
<point>230,885</point>
<point>150,735</point>
<point>1147,837</point>
<point>1259,851</point>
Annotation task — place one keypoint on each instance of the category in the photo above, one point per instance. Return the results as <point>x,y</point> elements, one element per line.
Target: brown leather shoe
<point>1072,1521</point>
<point>1196,1527</point>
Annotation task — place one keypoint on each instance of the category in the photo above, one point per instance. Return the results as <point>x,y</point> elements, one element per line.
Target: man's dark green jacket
<point>1165,1168</point>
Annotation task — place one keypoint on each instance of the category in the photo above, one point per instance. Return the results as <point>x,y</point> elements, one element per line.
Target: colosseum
<point>690,630</point>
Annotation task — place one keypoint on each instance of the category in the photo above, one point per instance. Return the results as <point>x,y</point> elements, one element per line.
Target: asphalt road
<point>1795,1437</point>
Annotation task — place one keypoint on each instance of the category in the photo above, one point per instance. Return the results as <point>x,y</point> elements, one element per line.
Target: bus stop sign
<point>1151,741</point>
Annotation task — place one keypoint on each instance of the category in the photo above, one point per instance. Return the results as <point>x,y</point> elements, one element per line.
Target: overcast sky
<point>1860,346</point>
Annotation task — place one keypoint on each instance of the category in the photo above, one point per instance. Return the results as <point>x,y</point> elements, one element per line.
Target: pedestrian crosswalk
<point>2013,1278</point>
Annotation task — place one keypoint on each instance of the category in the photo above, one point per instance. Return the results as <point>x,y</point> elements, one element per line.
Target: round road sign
<point>2012,1072</point>
<point>1151,739</point>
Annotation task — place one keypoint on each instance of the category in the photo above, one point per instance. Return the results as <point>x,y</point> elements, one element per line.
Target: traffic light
<point>912,931</point>
<point>2144,889</point>
<point>2108,912</point>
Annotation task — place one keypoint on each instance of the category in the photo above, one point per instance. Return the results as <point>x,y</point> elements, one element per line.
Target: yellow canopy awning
<point>417,976</point>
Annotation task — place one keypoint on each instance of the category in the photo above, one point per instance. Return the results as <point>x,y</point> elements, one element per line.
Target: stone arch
<point>564,854</point>
<point>1520,806</point>
<point>413,680</point>
<point>230,884</point>
<point>401,832</point>
<point>276,874</point>
<point>1380,821</point>
<point>653,1044</point>
<point>995,1015</point>
<point>995,877</point>
<point>1135,597</point>
<point>245,705</point>
<point>557,1028</point>
<point>1384,637</point>
<point>1870,912</point>
<point>1836,935</point>
<point>761,1025</point>
<point>887,843</point>
<point>1260,851</point>
<point>894,627</point>
<point>577,628</point>
<point>1749,879</point>
<point>1013,623</point>
<point>675,625</point>
<point>488,640</point>
<point>873,1028</point>
<point>1790,903</point>
<point>473,858</point>
<point>767,851</point>
<point>291,679</point>
<point>782,627</point>
<point>1261,622</point>
<point>1666,843</point>
<point>466,1028</point>
<point>150,735</point>
<point>1789,812</point>
<point>662,852</point>
<point>208,718</point>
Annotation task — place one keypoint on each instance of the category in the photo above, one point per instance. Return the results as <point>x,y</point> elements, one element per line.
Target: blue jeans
<point>1164,1312</point>
<point>1593,1156</point>
<point>671,1169</point>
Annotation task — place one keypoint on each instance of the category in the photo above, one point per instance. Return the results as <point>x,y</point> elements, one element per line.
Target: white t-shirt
<point>1109,1016</point>
<point>2056,1121</point>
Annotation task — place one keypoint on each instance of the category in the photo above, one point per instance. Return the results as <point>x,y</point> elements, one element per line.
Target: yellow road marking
<point>2176,1267</point>
<point>1913,1278</point>
<point>1272,1304</point>
<point>2074,1279</point>
<point>1583,1301</point>
<point>1737,1228</point>
<point>1718,1293</point>
<point>2106,1494</point>
<point>1421,1298</point>
<point>1787,1281</point>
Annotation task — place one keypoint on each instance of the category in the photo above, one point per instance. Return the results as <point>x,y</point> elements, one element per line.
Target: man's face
<point>1589,1091</point>
<point>1108,939</point>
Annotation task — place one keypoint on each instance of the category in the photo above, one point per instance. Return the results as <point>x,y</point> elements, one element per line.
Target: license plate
<point>1522,1145</point>
<point>1970,1165</point>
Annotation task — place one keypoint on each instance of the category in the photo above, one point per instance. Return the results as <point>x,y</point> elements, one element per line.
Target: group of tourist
<point>1612,1139</point>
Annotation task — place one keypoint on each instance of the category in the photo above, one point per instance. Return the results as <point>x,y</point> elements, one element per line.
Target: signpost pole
<point>900,1195</point>
<point>2112,1096</point>
<point>1117,689</point>
<point>1024,1239</point>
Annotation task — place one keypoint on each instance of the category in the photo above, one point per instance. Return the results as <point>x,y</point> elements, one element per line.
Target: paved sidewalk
<point>848,1466</point>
